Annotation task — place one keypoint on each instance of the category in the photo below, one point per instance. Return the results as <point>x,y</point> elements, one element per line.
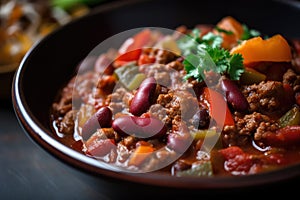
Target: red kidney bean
<point>143,98</point>
<point>147,127</point>
<point>101,119</point>
<point>180,140</point>
<point>234,96</point>
<point>177,143</point>
<point>201,119</point>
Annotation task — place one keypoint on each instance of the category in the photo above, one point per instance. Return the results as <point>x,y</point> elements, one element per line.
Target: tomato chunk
<point>131,49</point>
<point>238,162</point>
<point>100,147</point>
<point>285,137</point>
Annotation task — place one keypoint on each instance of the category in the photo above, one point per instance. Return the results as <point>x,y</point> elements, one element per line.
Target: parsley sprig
<point>205,53</point>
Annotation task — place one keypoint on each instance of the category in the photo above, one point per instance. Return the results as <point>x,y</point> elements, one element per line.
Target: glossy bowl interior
<point>52,62</point>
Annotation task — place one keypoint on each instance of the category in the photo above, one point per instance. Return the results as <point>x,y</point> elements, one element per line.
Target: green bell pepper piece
<point>202,169</point>
<point>130,76</point>
<point>291,117</point>
<point>251,76</point>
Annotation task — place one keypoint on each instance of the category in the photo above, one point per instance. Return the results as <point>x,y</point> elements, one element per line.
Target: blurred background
<point>25,22</point>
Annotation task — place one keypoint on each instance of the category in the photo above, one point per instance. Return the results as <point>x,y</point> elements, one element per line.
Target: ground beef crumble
<point>291,78</point>
<point>161,56</point>
<point>249,126</point>
<point>265,97</point>
<point>255,124</point>
<point>174,106</point>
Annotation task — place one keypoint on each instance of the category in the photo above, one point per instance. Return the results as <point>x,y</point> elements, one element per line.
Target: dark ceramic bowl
<point>51,62</point>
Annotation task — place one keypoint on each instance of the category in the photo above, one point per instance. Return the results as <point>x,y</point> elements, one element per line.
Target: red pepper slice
<point>218,107</point>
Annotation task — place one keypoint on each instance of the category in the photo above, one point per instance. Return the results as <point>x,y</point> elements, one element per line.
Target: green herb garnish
<point>189,43</point>
<point>249,33</point>
<point>223,31</point>
<point>206,54</point>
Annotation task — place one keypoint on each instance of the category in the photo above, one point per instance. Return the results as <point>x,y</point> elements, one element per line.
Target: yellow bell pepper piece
<point>273,49</point>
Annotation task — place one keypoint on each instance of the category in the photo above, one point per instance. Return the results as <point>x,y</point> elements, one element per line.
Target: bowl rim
<point>41,136</point>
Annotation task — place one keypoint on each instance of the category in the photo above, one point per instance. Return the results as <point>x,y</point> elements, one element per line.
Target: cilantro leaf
<point>189,43</point>
<point>236,67</point>
<point>203,54</point>
<point>249,33</point>
<point>213,59</point>
<point>220,58</point>
<point>193,67</point>
<point>212,40</point>
<point>220,30</point>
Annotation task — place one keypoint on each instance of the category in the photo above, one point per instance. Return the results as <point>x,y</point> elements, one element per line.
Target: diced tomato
<point>145,59</point>
<point>286,136</point>
<point>100,147</point>
<point>218,107</point>
<point>236,160</point>
<point>132,47</point>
